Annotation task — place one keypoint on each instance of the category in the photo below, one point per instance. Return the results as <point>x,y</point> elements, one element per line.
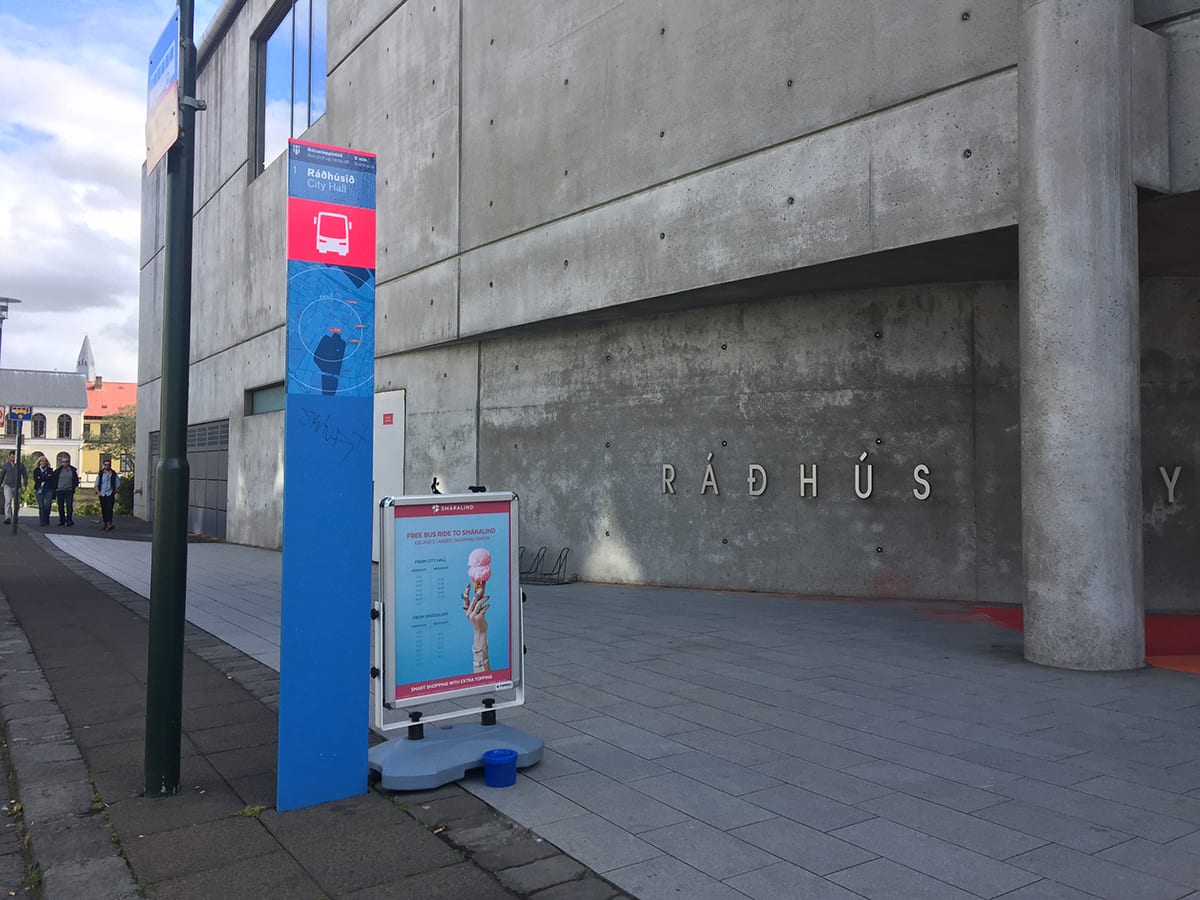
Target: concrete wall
<point>580,423</point>
<point>580,419</point>
<point>397,95</point>
<point>622,96</point>
<point>997,448</point>
<point>488,158</point>
<point>441,438</point>
<point>542,160</point>
<point>1170,438</point>
<point>1183,62</point>
<point>148,400</point>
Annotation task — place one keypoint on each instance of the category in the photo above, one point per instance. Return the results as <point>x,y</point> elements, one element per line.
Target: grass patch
<point>33,876</point>
<point>250,812</point>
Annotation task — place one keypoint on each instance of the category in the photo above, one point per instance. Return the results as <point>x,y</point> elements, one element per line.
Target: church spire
<point>86,364</point>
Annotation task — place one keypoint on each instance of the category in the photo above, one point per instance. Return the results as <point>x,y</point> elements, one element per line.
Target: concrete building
<point>735,296</point>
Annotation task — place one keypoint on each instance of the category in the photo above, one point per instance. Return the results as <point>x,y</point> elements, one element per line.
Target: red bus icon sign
<point>333,233</point>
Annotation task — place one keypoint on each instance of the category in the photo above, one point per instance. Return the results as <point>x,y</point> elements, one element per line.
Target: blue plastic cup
<point>500,768</point>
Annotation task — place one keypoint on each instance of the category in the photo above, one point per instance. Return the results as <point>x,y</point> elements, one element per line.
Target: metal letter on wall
<point>325,633</point>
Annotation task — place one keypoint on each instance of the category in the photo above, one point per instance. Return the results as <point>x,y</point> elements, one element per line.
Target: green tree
<point>28,497</point>
<point>125,496</point>
<point>116,436</point>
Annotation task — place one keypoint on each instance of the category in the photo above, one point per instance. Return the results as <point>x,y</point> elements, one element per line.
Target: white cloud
<point>72,143</point>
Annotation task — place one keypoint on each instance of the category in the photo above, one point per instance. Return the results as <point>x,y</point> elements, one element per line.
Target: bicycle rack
<point>557,573</point>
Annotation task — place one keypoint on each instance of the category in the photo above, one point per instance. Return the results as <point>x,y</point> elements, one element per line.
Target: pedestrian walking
<point>15,478</point>
<point>66,480</point>
<point>43,489</point>
<point>106,490</point>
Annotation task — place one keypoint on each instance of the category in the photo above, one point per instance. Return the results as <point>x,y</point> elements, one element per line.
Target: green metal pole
<point>20,483</point>
<point>168,559</point>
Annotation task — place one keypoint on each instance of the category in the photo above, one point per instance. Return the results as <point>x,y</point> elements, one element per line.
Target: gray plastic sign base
<point>446,754</point>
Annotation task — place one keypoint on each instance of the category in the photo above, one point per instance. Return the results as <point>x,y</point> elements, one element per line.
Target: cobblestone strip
<point>71,845</point>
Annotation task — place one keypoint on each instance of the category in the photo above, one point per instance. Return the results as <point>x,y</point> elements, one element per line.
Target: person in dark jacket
<point>15,478</point>
<point>43,488</point>
<point>66,480</point>
<point>106,490</point>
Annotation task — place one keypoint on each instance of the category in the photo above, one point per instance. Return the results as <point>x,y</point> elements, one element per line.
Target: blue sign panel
<point>162,94</point>
<point>164,63</point>
<point>325,629</point>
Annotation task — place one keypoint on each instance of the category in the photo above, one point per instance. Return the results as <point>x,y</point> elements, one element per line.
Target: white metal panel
<point>388,465</point>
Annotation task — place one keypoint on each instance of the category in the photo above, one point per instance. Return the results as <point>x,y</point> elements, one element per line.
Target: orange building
<point>103,399</point>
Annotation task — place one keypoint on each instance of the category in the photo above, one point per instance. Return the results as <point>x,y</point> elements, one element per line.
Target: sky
<point>73,81</point>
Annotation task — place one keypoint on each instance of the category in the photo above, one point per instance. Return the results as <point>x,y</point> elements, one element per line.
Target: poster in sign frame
<point>450,620</point>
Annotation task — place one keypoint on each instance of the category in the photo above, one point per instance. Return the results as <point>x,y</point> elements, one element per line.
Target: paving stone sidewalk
<point>720,745</point>
<point>72,700</point>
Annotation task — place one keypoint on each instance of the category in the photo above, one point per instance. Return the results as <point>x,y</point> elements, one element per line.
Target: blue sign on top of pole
<point>162,94</point>
<point>164,61</point>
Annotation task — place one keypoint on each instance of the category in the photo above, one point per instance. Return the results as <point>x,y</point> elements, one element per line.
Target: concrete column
<point>1081,502</point>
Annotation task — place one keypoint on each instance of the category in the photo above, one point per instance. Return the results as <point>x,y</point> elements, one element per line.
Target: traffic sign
<point>20,413</point>
<point>162,94</point>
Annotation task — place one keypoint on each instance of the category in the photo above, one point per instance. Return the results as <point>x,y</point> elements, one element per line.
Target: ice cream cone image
<point>475,605</point>
<point>479,570</point>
